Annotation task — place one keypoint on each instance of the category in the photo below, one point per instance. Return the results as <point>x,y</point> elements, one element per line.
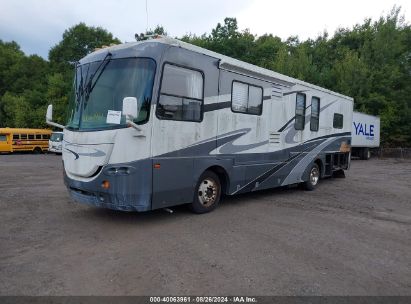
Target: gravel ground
<point>351,236</point>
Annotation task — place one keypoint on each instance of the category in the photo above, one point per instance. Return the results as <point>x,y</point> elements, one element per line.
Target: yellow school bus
<point>32,140</point>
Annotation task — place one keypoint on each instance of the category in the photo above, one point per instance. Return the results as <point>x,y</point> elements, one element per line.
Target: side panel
<point>174,180</point>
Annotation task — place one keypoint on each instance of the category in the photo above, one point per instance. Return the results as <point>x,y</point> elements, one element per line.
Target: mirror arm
<point>132,124</point>
<point>54,124</point>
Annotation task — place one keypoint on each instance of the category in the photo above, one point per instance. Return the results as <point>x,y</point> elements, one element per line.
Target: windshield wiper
<point>90,85</point>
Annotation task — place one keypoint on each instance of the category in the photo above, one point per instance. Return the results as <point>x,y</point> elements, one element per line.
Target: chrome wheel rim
<point>207,192</point>
<point>314,176</point>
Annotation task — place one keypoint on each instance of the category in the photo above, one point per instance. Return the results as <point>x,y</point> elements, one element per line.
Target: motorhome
<point>365,135</point>
<point>24,140</point>
<point>160,122</point>
<point>56,142</point>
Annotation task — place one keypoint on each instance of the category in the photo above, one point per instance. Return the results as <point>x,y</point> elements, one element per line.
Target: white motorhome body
<point>365,134</point>
<point>198,112</point>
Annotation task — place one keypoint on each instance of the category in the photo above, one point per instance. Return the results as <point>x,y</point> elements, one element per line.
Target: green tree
<point>78,41</point>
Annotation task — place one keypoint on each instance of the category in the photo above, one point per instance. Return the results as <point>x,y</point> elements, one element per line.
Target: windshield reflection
<point>120,78</point>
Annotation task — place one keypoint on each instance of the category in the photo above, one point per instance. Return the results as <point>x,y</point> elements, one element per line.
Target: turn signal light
<point>105,184</point>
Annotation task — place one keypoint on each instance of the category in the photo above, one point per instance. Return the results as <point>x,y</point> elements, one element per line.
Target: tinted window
<point>338,121</point>
<point>23,136</point>
<point>300,112</point>
<point>16,136</point>
<point>31,136</point>
<point>38,136</point>
<point>46,136</point>
<point>56,137</point>
<point>3,137</point>
<point>181,96</point>
<point>117,79</point>
<point>246,98</point>
<point>315,113</point>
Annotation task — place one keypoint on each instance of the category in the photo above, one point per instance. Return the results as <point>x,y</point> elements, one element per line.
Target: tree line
<point>370,62</point>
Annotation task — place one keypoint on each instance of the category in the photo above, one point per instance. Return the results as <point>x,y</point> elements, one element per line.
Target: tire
<point>313,178</point>
<point>207,193</point>
<point>37,150</point>
<point>367,154</point>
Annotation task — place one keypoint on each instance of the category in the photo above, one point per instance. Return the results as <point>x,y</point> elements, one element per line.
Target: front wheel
<point>313,178</point>
<point>207,193</point>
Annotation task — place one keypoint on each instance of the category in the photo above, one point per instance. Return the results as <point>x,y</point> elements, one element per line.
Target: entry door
<point>177,127</point>
<point>5,142</point>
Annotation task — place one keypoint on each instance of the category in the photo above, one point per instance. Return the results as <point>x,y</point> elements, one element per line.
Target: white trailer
<point>365,134</point>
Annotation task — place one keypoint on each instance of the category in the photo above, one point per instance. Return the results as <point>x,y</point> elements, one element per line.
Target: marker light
<point>105,184</point>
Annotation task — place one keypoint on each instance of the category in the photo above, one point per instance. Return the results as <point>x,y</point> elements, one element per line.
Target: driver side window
<point>181,94</point>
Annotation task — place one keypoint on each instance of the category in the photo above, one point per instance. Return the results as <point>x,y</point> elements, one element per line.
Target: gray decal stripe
<point>286,163</point>
<point>217,106</point>
<point>230,148</point>
<point>223,105</point>
<point>306,120</point>
<point>206,146</point>
<point>75,154</point>
<point>295,174</point>
<point>266,175</point>
<point>289,137</point>
<point>260,179</point>
<point>331,135</point>
<point>288,122</point>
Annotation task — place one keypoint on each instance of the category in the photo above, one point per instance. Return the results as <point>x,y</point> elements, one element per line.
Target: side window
<point>338,121</point>
<point>16,136</point>
<point>315,113</point>
<point>299,112</point>
<point>246,98</point>
<point>31,136</point>
<point>46,136</point>
<point>3,137</point>
<point>38,136</point>
<point>181,95</point>
<point>23,136</point>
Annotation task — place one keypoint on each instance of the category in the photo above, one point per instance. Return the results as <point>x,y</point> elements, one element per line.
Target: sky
<point>38,25</point>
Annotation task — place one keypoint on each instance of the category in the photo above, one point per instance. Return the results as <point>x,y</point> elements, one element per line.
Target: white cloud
<point>37,25</point>
<point>308,19</point>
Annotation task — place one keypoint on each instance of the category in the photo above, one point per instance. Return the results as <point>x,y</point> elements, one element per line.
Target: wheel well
<point>320,165</point>
<point>222,175</point>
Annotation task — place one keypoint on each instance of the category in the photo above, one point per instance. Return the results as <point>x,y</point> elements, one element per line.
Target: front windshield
<point>120,78</point>
<point>56,137</point>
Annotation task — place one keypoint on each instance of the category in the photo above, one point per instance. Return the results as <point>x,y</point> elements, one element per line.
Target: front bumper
<point>131,192</point>
<point>55,149</point>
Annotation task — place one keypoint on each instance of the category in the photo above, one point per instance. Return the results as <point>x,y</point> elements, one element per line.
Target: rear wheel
<point>313,178</point>
<point>207,193</point>
<point>368,154</point>
<point>365,154</point>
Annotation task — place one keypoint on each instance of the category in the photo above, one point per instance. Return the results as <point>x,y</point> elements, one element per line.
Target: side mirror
<point>130,107</point>
<point>49,115</point>
<point>49,118</point>
<point>130,110</point>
